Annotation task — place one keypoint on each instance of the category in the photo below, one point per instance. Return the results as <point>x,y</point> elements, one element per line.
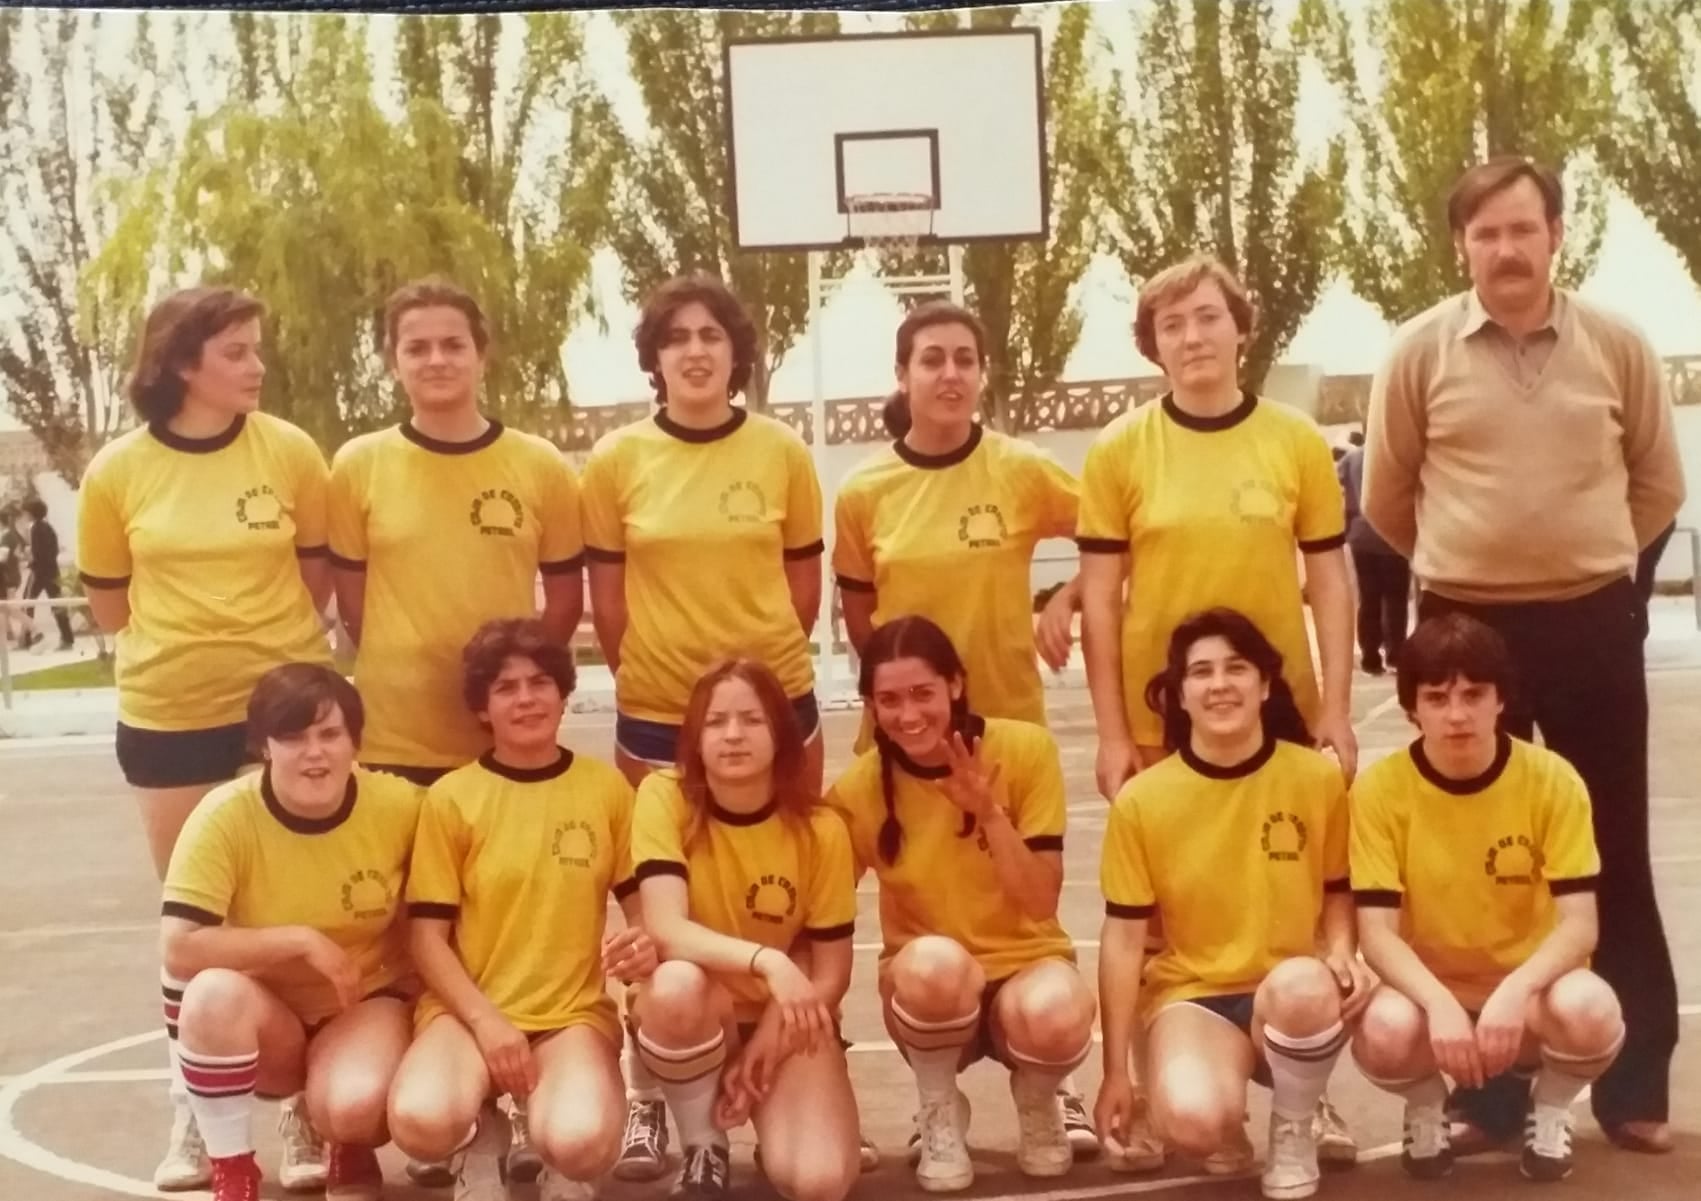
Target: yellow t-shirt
<point>943,882</point>
<point>1212,512</point>
<point>523,863</point>
<point>951,538</point>
<point>757,876</point>
<point>449,536</point>
<point>244,859</point>
<point>704,521</point>
<point>1236,860</point>
<point>1473,865</point>
<point>203,534</point>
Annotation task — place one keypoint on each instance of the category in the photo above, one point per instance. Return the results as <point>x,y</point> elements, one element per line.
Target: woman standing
<point>201,545</point>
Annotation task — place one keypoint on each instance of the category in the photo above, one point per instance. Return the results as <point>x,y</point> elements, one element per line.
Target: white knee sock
<point>641,1083</point>
<point>690,1080</point>
<point>935,1049</point>
<point>171,998</point>
<point>1561,1077</point>
<point>1300,1067</point>
<point>221,1093</point>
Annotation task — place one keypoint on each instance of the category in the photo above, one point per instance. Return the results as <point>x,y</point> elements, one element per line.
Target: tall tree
<point>1458,82</point>
<point>68,121</point>
<point>671,210</point>
<point>1210,160</point>
<point>1651,146</point>
<point>1023,292</point>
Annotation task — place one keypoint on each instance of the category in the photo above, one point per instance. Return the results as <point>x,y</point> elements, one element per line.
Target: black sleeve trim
<point>312,552</point>
<point>1566,888</point>
<point>102,581</point>
<point>346,564</point>
<point>191,913</point>
<point>434,909</point>
<point>1045,842</point>
<point>658,867</point>
<point>1102,546</point>
<point>847,584</point>
<point>829,933</point>
<point>596,554</point>
<point>1131,913</point>
<point>1344,884</point>
<point>1318,545</point>
<point>1376,898</point>
<point>796,553</point>
<point>564,567</point>
<point>625,888</point>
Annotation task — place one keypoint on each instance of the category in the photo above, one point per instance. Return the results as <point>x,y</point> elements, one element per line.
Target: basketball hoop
<point>889,221</point>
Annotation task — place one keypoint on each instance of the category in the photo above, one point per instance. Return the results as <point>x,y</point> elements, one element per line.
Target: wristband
<point>751,970</point>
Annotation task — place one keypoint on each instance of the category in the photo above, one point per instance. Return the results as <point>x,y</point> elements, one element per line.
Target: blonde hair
<point>1176,281</point>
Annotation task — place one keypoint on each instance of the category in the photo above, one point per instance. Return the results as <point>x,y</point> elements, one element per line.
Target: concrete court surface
<point>83,1109</point>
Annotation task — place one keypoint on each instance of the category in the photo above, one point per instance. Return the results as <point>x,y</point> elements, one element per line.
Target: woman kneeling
<point>280,913</point>
<point>1239,842</point>
<point>517,855</point>
<point>737,863</point>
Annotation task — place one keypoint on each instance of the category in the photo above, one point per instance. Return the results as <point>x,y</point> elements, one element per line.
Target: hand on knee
<point>934,979</point>
<point>1300,997</point>
<point>676,1007</point>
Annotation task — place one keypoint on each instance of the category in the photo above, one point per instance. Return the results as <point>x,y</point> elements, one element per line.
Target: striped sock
<point>1300,1067</point>
<point>641,1083</point>
<point>1046,1074</point>
<point>1423,1092</point>
<point>690,1078</point>
<point>221,1092</point>
<point>935,1049</point>
<point>171,996</point>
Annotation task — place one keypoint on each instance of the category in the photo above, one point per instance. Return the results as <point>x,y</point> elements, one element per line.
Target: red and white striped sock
<point>221,1093</point>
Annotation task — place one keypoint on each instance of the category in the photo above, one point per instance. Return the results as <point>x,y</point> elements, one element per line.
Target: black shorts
<point>181,758</point>
<point>393,992</point>
<point>425,777</point>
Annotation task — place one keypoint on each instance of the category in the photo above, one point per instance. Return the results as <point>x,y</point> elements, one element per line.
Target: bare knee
<point>350,1110</point>
<point>1300,997</point>
<point>1581,1013</point>
<point>936,979</point>
<point>677,1005</point>
<point>580,1146</point>
<point>817,1177</point>
<point>423,1126</point>
<point>1194,1118</point>
<point>1391,1036</point>
<point>1051,1018</point>
<point>218,1008</point>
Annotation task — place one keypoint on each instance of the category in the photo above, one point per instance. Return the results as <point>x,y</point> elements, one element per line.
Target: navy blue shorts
<point>1236,1009</point>
<point>657,743</point>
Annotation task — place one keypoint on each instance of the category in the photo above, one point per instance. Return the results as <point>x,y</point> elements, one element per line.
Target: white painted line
<point>1377,711</point>
<point>84,742</point>
<point>107,1076</point>
<point>39,933</point>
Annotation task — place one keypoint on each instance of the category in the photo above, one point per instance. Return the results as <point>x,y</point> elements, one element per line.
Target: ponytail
<point>896,414</point>
<point>891,832</point>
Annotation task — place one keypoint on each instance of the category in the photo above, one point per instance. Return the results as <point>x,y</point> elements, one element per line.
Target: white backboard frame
<point>967,91</point>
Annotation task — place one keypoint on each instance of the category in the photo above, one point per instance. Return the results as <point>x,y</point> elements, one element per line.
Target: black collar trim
<point>686,433</point>
<point>1476,784</point>
<point>973,729</point>
<point>199,446</point>
<point>438,446</point>
<point>527,775</point>
<point>1210,425</point>
<point>742,819</point>
<point>307,825</point>
<point>1232,771</point>
<point>950,458</point>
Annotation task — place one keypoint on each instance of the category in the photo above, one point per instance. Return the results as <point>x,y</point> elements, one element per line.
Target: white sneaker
<point>1290,1169</point>
<point>1428,1150</point>
<point>478,1166</point>
<point>1078,1124</point>
<point>1335,1142</point>
<point>944,1165</point>
<point>186,1164</point>
<point>1142,1150</point>
<point>554,1187</point>
<point>1234,1158</point>
<point>303,1169</point>
<point>1042,1147</point>
<point>1547,1143</point>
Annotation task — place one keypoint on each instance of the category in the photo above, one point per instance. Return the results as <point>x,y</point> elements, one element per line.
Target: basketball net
<point>889,222</point>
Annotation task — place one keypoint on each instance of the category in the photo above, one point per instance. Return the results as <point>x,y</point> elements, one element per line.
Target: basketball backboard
<point>953,119</point>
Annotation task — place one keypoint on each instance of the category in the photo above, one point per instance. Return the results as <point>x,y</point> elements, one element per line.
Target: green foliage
<point>1459,82</point>
<point>670,212</point>
<point>1210,161</point>
<point>1651,146</point>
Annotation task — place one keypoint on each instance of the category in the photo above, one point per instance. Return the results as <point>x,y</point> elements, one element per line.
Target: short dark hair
<point>36,508</point>
<point>896,411</point>
<point>1279,714</point>
<point>176,330</point>
<point>699,287</point>
<point>511,637</point>
<point>1452,646</point>
<point>430,293</point>
<point>290,698</point>
<point>1489,179</point>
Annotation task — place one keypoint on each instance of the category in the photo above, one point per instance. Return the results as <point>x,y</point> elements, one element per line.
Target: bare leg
<point>577,1113</point>
<point>807,1128</point>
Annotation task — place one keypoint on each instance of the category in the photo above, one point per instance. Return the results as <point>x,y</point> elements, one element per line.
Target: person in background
<point>42,578</point>
<point>14,550</point>
<point>1384,578</point>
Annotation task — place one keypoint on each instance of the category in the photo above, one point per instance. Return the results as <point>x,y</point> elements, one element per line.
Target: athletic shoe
<point>1335,1142</point>
<point>943,1164</point>
<point>1233,1158</point>
<point>706,1173</point>
<point>303,1169</point>
<point>1428,1153</point>
<point>236,1178</point>
<point>1290,1168</point>
<point>554,1187</point>
<point>478,1166</point>
<point>913,1149</point>
<point>1078,1125</point>
<point>1142,1149</point>
<point>1547,1143</point>
<point>430,1175</point>
<point>185,1165</point>
<point>1042,1146</point>
<point>867,1153</point>
<point>524,1163</point>
<point>353,1174</point>
<point>643,1154</point>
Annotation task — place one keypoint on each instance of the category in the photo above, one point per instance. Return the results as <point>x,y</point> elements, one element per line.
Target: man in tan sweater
<point>1520,450</point>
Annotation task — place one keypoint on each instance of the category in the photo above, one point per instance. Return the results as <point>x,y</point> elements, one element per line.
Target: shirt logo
<point>366,895</point>
<point>1513,859</point>
<point>771,899</point>
<point>1256,501</point>
<point>981,526</point>
<point>744,502</point>
<point>497,512</point>
<point>258,509</point>
<point>1284,837</point>
<point>574,844</point>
